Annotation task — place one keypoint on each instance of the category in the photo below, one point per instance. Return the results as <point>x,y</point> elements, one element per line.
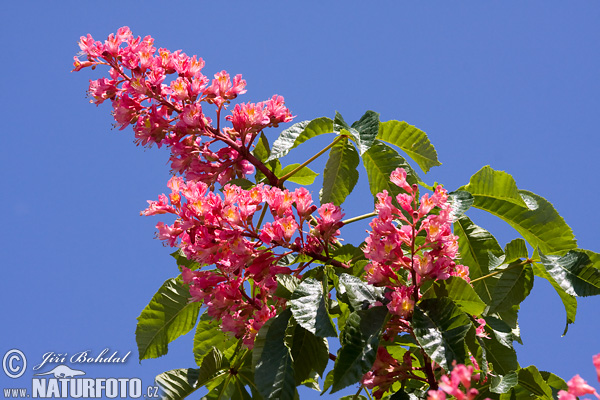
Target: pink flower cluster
<point>386,371</point>
<point>170,113</point>
<point>398,260</point>
<point>579,387</point>
<point>460,375</point>
<point>211,230</point>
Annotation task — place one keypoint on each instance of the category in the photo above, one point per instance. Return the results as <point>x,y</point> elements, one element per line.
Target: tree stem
<point>364,216</point>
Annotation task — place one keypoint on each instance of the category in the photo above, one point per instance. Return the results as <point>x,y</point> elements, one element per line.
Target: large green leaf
<point>362,131</point>
<point>532,383</point>
<point>262,150</point>
<point>512,286</point>
<point>359,294</point>
<point>272,360</point>
<point>461,201</point>
<point>569,301</point>
<point>411,140</point>
<point>531,215</point>
<point>169,315</point>
<point>502,359</point>
<point>460,292</point>
<point>309,352</point>
<point>308,305</point>
<point>440,328</point>
<point>515,250</point>
<point>573,272</point>
<point>298,134</point>
<point>340,174</point>
<point>475,245</point>
<point>359,340</point>
<point>208,336</point>
<point>305,176</point>
<point>503,383</point>
<point>380,161</point>
<point>179,383</point>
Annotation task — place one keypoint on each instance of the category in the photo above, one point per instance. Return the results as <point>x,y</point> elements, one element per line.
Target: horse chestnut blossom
<point>170,113</point>
<point>221,231</point>
<point>461,375</point>
<point>397,261</point>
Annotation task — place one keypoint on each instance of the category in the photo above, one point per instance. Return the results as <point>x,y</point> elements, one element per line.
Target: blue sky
<point>511,85</point>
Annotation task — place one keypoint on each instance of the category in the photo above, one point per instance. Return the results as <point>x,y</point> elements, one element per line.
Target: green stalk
<point>313,158</point>
<point>364,216</point>
<point>525,262</point>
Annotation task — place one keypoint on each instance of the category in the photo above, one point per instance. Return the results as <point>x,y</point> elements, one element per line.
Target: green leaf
<point>178,383</point>
<point>501,331</point>
<point>359,340</point>
<point>298,134</point>
<point>440,328</point>
<point>182,260</point>
<point>461,201</point>
<point>242,183</point>
<point>362,131</point>
<point>460,292</point>
<point>305,176</point>
<point>272,360</point>
<point>360,295</point>
<point>515,250</point>
<point>310,310</point>
<point>531,215</point>
<point>310,353</point>
<point>569,301</point>
<point>209,336</point>
<point>340,174</point>
<point>380,161</point>
<point>503,383</point>
<point>367,127</point>
<point>169,315</point>
<point>573,272</point>
<point>503,359</point>
<point>556,383</point>
<point>286,284</point>
<point>532,381</point>
<point>411,140</point>
<point>512,287</point>
<point>475,245</point>
<point>262,150</point>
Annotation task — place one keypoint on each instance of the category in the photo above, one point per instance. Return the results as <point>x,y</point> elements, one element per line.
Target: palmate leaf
<point>309,352</point>
<point>440,328</point>
<point>272,360</point>
<point>310,310</point>
<point>573,272</point>
<point>209,336</point>
<point>362,131</point>
<point>511,288</point>
<point>411,140</point>
<point>359,294</point>
<point>461,201</point>
<point>460,292</point>
<point>179,383</point>
<point>475,245</point>
<point>569,301</point>
<point>305,176</point>
<point>380,161</point>
<point>169,315</point>
<point>359,340</point>
<point>340,174</point>
<point>531,215</point>
<point>298,134</point>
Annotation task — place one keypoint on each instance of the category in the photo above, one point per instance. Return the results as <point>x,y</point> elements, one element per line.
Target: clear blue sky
<point>513,85</point>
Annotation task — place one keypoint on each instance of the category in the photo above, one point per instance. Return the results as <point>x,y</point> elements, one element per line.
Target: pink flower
<point>596,360</point>
<point>579,387</point>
